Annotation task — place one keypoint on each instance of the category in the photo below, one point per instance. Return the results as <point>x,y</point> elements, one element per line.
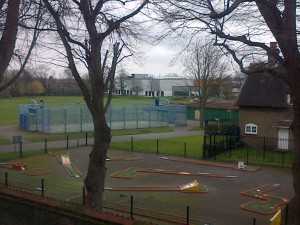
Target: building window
<point>250,128</point>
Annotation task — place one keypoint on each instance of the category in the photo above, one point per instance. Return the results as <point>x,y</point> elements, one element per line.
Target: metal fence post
<point>283,159</point>
<point>230,143</point>
<point>6,179</point>
<point>83,196</point>
<point>42,187</point>
<point>185,149</point>
<point>21,149</point>
<point>254,221</point>
<point>247,156</point>
<point>45,145</point>
<point>67,141</point>
<point>131,206</point>
<point>86,138</point>
<point>204,147</point>
<point>286,213</point>
<point>156,146</point>
<point>187,215</point>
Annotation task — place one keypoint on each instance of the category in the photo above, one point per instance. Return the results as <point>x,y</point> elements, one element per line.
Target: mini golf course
<point>154,214</point>
<point>134,172</point>
<point>245,168</point>
<point>191,187</point>
<point>121,158</point>
<point>25,169</point>
<point>64,159</point>
<point>267,204</point>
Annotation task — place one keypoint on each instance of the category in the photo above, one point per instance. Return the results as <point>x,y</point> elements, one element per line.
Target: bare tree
<point>13,14</point>
<point>241,27</point>
<point>204,64</point>
<point>136,86</point>
<point>121,80</point>
<point>9,33</point>
<point>153,86</point>
<point>86,29</point>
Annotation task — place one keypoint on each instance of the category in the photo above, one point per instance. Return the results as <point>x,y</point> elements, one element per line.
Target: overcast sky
<point>157,62</point>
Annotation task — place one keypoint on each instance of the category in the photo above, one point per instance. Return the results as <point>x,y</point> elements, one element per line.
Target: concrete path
<point>10,131</point>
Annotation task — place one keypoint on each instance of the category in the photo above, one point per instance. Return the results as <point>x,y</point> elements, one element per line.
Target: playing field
<point>9,106</point>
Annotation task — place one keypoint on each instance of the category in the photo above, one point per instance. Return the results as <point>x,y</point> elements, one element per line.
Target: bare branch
<point>9,35</point>
<point>23,65</point>
<point>227,11</point>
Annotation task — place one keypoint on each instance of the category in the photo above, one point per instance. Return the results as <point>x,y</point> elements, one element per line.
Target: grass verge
<point>181,146</point>
<point>57,137</point>
<point>4,141</point>
<point>258,156</point>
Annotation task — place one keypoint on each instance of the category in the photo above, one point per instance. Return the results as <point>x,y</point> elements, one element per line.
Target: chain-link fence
<point>77,118</point>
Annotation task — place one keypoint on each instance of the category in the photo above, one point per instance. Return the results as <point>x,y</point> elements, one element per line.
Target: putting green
<point>111,158</point>
<point>246,168</point>
<point>35,171</point>
<point>268,204</point>
<point>134,172</point>
<point>64,159</point>
<point>191,187</point>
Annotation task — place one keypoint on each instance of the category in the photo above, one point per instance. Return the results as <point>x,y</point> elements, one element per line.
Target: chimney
<point>271,54</point>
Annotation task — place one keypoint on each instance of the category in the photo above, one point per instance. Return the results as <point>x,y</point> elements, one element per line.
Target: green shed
<point>221,112</point>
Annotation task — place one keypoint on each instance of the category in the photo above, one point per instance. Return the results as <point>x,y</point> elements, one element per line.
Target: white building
<point>150,86</point>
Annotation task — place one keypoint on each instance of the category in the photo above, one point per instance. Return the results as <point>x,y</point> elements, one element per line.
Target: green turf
<point>4,141</point>
<point>9,107</point>
<point>257,156</point>
<point>265,204</point>
<point>174,146</point>
<point>40,137</point>
<point>128,173</point>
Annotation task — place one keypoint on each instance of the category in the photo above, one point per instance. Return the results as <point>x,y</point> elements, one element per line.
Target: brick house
<point>265,109</point>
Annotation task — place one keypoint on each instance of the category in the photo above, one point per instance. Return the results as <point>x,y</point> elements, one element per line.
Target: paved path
<point>179,131</point>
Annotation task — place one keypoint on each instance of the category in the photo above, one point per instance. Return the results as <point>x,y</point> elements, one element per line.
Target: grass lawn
<point>40,137</point>
<point>9,107</point>
<point>258,156</point>
<point>4,141</point>
<point>191,146</point>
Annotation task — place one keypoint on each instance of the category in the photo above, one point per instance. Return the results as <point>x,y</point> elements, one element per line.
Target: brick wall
<point>264,119</point>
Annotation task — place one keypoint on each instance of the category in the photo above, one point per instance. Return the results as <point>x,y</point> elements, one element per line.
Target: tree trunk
<point>202,115</point>
<point>296,170</point>
<point>295,93</point>
<point>202,103</point>
<point>9,35</point>
<point>95,178</point>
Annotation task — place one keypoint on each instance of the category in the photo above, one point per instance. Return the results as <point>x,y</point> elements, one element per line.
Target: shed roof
<point>221,105</point>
